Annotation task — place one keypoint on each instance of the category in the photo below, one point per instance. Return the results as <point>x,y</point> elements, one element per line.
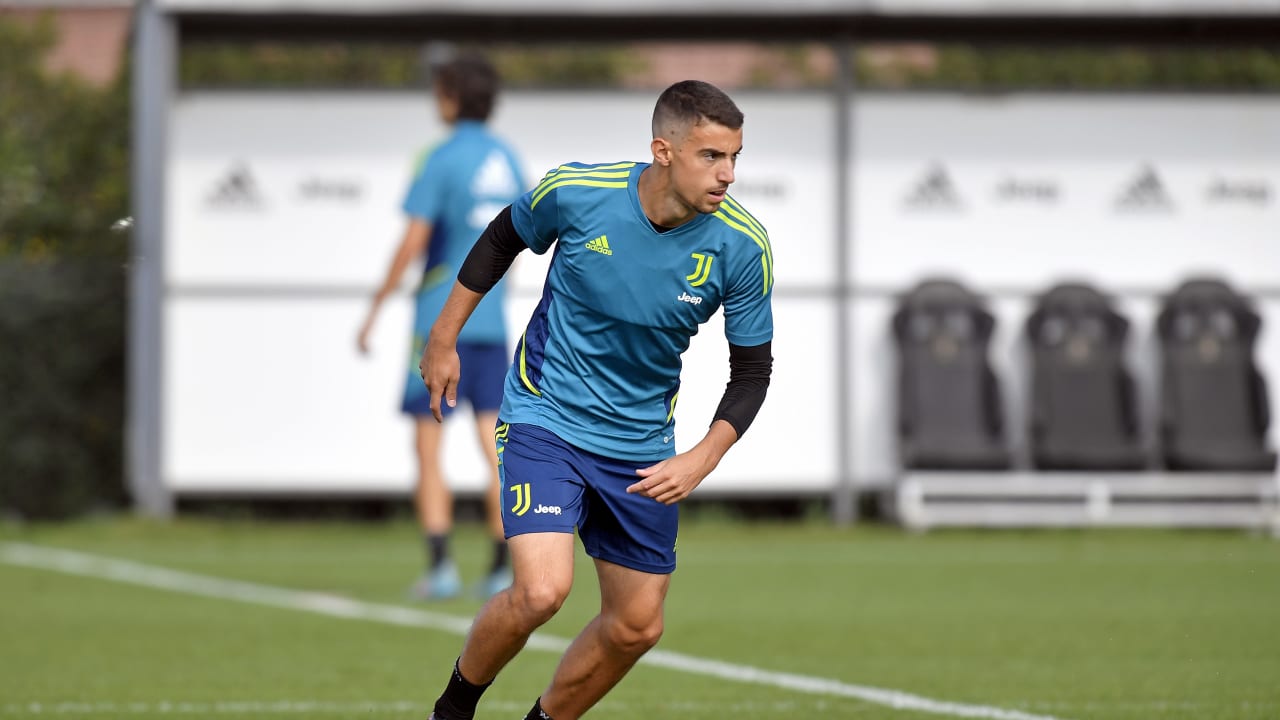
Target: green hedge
<point>915,66</point>
<point>62,384</point>
<point>63,183</point>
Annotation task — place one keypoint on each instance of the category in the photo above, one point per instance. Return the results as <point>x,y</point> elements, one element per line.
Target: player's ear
<point>661,151</point>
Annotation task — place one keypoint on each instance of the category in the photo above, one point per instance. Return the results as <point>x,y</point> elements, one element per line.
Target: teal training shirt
<point>463,184</point>
<point>599,363</point>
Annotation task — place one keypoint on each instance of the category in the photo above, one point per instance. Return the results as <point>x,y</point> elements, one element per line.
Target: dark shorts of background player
<point>549,485</point>
<point>484,371</point>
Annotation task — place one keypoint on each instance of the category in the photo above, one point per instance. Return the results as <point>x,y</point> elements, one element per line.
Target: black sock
<point>537,713</point>
<point>437,550</point>
<point>499,555</point>
<point>460,698</point>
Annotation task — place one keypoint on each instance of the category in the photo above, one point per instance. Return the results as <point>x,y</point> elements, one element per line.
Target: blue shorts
<point>549,485</point>
<point>484,372</point>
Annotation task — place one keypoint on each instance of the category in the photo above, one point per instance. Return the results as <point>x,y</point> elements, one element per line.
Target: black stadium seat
<point>1083,412</point>
<point>949,413</point>
<point>1215,410</point>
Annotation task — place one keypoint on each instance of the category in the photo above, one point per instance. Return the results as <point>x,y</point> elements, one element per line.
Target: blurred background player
<point>461,184</point>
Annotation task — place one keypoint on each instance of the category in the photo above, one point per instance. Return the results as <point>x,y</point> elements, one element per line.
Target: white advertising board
<point>283,210</point>
<point>1015,193</point>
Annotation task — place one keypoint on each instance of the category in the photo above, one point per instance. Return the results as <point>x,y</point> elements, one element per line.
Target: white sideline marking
<point>126,571</point>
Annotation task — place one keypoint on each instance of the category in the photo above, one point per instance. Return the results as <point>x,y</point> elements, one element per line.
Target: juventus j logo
<point>702,271</point>
<point>524,498</point>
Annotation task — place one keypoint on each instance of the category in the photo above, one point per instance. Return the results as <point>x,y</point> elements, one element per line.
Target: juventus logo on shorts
<point>524,498</point>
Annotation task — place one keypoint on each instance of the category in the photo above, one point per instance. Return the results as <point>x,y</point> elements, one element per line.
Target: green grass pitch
<point>1071,625</point>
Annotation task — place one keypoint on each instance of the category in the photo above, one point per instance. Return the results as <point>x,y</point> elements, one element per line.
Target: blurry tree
<point>565,66</point>
<point>999,68</point>
<point>368,65</point>
<point>276,64</point>
<point>792,65</point>
<point>880,66</point>
<point>63,182</point>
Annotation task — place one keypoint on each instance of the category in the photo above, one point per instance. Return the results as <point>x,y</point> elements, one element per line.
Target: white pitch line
<point>127,571</point>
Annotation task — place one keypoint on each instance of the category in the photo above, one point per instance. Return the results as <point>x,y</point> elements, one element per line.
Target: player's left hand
<point>671,480</point>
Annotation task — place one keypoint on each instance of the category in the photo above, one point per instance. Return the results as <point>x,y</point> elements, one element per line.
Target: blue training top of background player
<point>599,363</point>
<point>464,183</point>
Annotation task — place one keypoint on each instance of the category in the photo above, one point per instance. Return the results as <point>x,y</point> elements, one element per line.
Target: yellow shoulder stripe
<point>613,166</point>
<point>757,230</point>
<point>622,170</point>
<point>606,175</point>
<point>761,240</point>
<point>748,217</point>
<point>539,194</point>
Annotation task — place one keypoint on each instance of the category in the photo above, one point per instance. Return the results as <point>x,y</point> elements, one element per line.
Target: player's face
<point>702,165</point>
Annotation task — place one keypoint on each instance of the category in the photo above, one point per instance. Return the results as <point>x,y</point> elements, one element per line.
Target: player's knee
<point>631,637</point>
<point>538,602</point>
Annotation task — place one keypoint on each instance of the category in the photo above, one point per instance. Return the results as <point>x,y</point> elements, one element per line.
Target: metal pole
<point>154,62</point>
<point>844,503</point>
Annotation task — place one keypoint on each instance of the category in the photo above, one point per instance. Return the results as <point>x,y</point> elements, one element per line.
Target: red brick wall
<point>91,41</point>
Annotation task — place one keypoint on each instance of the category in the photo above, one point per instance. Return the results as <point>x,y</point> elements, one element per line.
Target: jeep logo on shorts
<point>548,509</point>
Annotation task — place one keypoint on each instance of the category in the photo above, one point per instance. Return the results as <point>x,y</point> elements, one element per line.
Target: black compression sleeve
<point>492,255</point>
<point>749,370</point>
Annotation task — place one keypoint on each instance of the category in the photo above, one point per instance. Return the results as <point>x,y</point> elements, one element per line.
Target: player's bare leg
<point>542,565</point>
<point>628,626</point>
<point>434,504</point>
<point>543,569</point>
<point>432,496</point>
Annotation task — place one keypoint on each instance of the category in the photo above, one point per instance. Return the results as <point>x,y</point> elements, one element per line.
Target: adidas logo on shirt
<point>600,245</point>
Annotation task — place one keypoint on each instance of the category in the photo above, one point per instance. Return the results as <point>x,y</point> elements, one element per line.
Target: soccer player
<point>463,183</point>
<point>644,254</point>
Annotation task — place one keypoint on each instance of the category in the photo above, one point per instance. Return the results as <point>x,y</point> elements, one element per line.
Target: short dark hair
<point>472,80</point>
<point>689,102</point>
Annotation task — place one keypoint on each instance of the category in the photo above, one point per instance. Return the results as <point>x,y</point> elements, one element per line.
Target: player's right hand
<point>362,339</point>
<point>366,329</point>
<point>440,369</point>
